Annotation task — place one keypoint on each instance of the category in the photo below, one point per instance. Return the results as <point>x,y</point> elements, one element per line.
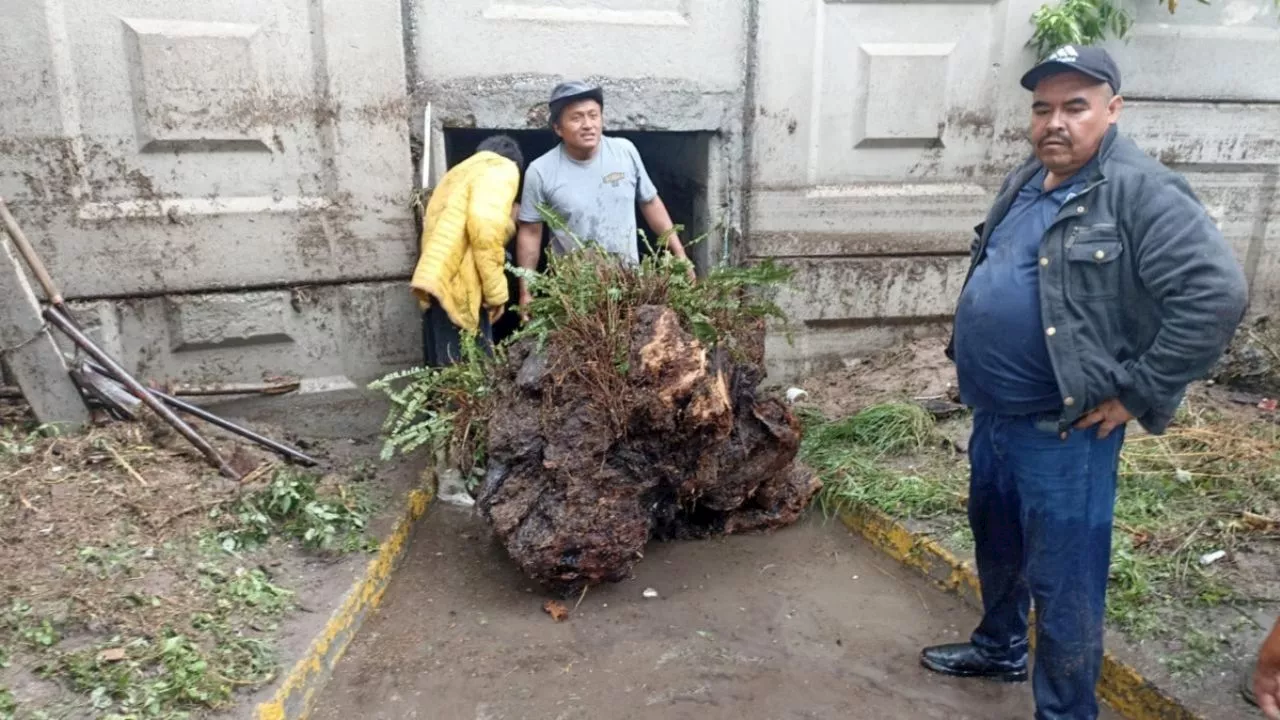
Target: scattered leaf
<point>557,611</point>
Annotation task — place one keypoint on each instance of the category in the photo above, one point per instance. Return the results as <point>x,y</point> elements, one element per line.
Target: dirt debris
<point>557,611</point>
<point>1252,362</point>
<point>915,371</point>
<point>129,565</point>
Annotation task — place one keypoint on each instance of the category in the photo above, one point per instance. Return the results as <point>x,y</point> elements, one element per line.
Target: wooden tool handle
<point>29,254</point>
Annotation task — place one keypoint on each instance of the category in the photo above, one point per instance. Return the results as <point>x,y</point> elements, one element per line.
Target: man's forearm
<point>655,213</point>
<point>528,248</point>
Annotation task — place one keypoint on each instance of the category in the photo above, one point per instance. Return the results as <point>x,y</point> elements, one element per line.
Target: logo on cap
<point>1064,54</point>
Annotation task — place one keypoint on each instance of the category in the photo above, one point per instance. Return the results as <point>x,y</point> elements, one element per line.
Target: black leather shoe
<point>965,660</point>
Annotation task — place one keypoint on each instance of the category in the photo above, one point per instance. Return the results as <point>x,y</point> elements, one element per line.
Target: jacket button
<point>1080,210</point>
<point>1044,261</point>
<point>1051,331</point>
<point>1068,401</point>
<point>1100,255</point>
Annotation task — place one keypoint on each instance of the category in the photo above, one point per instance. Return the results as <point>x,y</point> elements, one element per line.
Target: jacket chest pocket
<point>1093,267</point>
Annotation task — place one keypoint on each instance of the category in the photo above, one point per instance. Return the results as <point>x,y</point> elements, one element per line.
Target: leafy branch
<point>1084,22</point>
<point>1078,22</point>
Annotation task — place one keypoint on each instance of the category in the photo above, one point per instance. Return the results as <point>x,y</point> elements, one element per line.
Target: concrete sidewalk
<point>809,622</point>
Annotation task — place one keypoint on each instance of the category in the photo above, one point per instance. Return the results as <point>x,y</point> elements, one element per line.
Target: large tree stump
<point>581,475</point>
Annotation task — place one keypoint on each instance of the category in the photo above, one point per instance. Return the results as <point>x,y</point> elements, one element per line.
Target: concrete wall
<point>223,189</point>
<point>880,135</point>
<point>167,151</point>
<point>666,65</point>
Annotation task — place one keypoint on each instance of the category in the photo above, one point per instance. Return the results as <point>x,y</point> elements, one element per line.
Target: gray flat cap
<point>567,92</point>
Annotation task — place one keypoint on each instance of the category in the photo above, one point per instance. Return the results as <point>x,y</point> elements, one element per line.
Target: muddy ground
<point>804,622</point>
<point>1201,648</point>
<point>112,534</point>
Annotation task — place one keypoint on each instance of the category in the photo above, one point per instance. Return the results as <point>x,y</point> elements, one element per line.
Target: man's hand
<point>526,297</point>
<point>1266,676</point>
<point>528,248</point>
<point>1108,416</point>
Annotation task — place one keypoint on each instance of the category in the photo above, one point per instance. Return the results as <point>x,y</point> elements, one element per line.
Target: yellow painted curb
<point>304,680</point>
<point>1121,686</point>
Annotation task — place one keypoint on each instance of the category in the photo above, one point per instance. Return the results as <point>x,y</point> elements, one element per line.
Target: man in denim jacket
<point>1098,288</point>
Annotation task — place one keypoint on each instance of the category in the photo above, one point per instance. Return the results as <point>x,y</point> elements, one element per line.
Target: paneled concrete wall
<point>881,130</point>
<point>223,188</point>
<point>155,149</point>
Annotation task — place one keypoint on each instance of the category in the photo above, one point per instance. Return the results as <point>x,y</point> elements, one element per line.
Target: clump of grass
<point>27,628</point>
<point>881,430</point>
<point>851,456</point>
<point>293,505</point>
<point>18,442</point>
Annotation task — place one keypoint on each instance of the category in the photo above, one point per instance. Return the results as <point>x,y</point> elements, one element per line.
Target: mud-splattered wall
<point>881,130</point>
<point>223,189</point>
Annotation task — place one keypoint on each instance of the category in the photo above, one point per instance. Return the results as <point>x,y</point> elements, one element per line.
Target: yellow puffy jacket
<point>464,236</point>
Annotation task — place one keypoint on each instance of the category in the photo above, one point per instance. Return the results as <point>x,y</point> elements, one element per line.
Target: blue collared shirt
<point>1001,357</point>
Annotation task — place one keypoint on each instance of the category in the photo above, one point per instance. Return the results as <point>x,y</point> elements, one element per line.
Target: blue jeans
<point>1041,507</point>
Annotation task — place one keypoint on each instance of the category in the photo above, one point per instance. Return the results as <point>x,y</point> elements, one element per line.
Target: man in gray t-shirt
<point>596,198</point>
<point>592,182</point>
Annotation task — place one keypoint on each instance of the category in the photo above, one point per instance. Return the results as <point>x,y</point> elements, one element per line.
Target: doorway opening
<point>677,162</point>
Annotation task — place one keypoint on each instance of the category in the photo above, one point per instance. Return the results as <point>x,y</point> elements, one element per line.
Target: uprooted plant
<point>625,409</point>
<point>586,300</point>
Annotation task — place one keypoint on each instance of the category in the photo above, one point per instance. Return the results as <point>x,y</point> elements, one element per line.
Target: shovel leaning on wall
<point>108,382</point>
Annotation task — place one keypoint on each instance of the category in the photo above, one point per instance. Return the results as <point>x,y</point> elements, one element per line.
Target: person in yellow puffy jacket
<point>459,280</point>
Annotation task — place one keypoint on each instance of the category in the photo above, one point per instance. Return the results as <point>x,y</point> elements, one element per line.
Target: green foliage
<point>293,505</point>
<point>852,456</point>
<point>444,408</point>
<point>35,632</point>
<point>167,676</point>
<point>246,590</point>
<point>8,706</point>
<point>17,443</point>
<point>880,430</point>
<point>1085,22</point>
<point>1078,22</point>
<point>187,665</point>
<point>717,308</point>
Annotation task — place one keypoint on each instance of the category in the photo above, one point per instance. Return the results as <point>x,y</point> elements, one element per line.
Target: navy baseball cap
<point>1091,61</point>
<point>567,92</point>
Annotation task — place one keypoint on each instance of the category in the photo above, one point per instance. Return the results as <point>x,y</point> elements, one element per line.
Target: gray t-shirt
<point>596,198</point>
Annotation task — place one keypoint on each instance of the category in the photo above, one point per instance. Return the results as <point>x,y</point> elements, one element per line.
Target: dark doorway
<point>677,163</point>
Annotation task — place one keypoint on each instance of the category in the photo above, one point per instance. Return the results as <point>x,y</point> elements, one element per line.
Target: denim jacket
<point>1139,292</point>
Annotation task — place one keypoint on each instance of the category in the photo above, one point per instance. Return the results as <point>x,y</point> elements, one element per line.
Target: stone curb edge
<point>303,682</point>
<point>1122,687</point>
